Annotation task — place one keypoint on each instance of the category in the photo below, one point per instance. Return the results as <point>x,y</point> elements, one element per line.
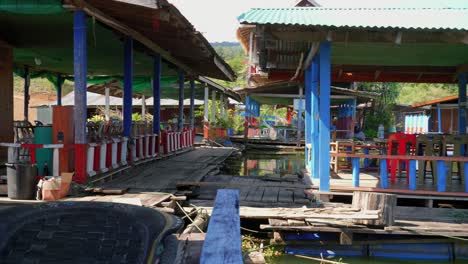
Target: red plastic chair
<point>400,142</point>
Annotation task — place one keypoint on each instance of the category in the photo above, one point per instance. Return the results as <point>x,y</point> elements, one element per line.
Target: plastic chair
<point>398,145</point>
<point>459,143</point>
<point>428,145</point>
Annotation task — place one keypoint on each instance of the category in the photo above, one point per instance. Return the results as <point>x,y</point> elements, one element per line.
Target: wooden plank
<point>346,238</point>
<point>242,184</point>
<point>358,230</point>
<point>271,195</point>
<point>286,196</point>
<point>223,239</point>
<point>255,195</point>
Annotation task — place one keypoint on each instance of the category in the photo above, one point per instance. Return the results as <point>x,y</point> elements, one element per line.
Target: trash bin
<point>21,180</point>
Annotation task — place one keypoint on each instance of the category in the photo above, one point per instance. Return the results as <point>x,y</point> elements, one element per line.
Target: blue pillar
<point>308,121</point>
<point>441,176</point>
<point>59,89</point>
<point>465,166</point>
<point>412,175</point>
<point>383,174</point>
<point>324,122</point>
<point>462,103</point>
<point>180,123</point>
<point>314,127</point>
<point>192,103</point>
<point>439,119</point>
<point>128,87</point>
<point>157,94</point>
<point>355,165</point>
<point>80,72</point>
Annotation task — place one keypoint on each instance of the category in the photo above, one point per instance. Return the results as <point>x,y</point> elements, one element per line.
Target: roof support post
<point>143,107</point>
<point>26,93</point>
<point>192,104</point>
<point>462,77</point>
<point>107,106</point>
<point>324,122</point>
<point>206,123</point>
<point>180,123</point>
<point>221,107</point>
<point>439,119</point>
<point>59,89</point>
<point>246,118</point>
<point>80,72</point>
<point>157,94</point>
<point>213,107</point>
<point>299,116</point>
<point>128,87</point>
<point>308,115</point>
<point>312,75</point>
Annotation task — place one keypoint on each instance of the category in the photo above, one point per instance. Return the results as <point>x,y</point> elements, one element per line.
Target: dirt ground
<point>36,99</point>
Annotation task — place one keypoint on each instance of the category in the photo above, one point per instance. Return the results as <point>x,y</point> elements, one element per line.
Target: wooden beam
<point>223,239</point>
<point>310,56</point>
<point>117,25</point>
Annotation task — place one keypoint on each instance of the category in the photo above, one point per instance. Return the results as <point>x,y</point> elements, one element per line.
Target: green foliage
<point>382,111</point>
<point>410,93</point>
<point>96,119</point>
<point>235,56</point>
<point>40,85</point>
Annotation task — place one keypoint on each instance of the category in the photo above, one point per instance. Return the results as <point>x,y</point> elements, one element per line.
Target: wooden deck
<point>370,181</point>
<point>162,175</point>
<point>254,191</point>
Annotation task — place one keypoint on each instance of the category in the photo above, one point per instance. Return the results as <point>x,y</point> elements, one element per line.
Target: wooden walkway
<point>162,175</point>
<point>254,191</point>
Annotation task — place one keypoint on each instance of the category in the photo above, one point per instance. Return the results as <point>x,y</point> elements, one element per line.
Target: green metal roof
<point>397,18</point>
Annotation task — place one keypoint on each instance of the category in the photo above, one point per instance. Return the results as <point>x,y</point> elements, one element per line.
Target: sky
<point>217,19</point>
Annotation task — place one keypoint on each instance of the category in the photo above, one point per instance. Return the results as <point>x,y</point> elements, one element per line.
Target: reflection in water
<point>261,164</point>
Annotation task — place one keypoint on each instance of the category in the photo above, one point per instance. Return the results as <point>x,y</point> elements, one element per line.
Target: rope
<point>191,220</point>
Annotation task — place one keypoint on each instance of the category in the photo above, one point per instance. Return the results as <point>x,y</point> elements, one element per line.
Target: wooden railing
<point>411,170</point>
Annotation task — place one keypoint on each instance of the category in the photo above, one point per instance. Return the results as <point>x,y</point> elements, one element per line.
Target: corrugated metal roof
<point>398,18</point>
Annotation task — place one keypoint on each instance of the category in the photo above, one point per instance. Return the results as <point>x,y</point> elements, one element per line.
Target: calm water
<point>261,164</point>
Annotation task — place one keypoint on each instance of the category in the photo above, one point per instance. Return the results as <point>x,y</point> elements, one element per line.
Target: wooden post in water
<point>386,203</point>
<point>223,239</point>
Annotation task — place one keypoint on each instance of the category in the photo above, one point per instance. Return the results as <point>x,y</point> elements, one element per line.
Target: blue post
<point>157,94</point>
<point>180,123</point>
<point>223,242</point>
<point>412,175</point>
<point>465,164</point>
<point>462,103</point>
<point>355,165</point>
<point>308,121</point>
<point>192,104</point>
<point>128,87</point>
<point>314,105</point>
<point>324,122</point>
<point>383,174</point>
<point>80,72</point>
<point>439,119</point>
<point>441,176</point>
<point>366,160</point>
<point>59,89</point>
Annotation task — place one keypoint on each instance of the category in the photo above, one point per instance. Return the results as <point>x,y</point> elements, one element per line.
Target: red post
<point>80,163</point>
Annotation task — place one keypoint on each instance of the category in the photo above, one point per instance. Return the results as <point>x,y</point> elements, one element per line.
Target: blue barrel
<point>43,135</point>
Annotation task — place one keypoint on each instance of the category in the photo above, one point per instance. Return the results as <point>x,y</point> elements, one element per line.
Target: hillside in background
<point>410,93</point>
<point>235,56</point>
